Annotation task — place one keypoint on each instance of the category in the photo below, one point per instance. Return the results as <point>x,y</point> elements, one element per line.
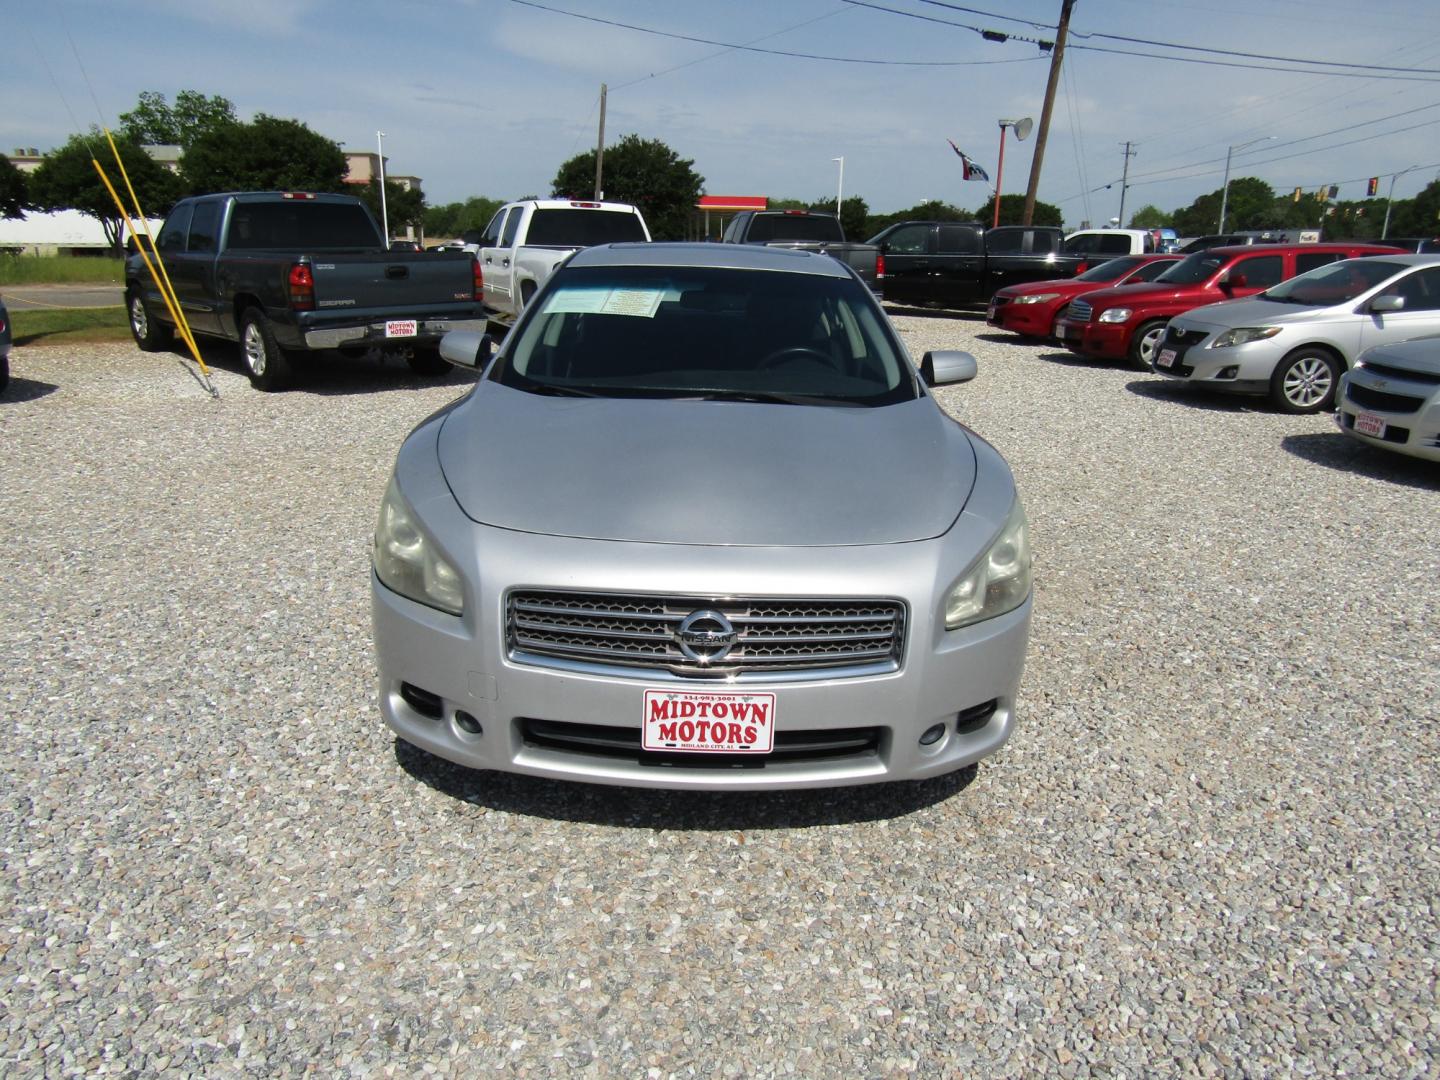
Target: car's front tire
<point>1146,343</point>
<point>1305,381</point>
<point>265,361</point>
<point>149,333</point>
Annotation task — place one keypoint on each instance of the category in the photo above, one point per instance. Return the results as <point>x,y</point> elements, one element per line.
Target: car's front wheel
<point>265,361</point>
<point>150,334</point>
<point>1305,381</point>
<point>1146,343</point>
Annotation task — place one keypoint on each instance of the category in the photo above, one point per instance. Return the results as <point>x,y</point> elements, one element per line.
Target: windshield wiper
<point>766,397</point>
<point>556,390</point>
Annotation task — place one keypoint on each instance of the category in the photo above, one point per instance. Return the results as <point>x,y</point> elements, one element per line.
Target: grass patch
<point>69,326</point>
<point>61,270</point>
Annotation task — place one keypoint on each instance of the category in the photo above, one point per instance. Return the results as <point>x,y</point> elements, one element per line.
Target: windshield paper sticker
<point>638,302</point>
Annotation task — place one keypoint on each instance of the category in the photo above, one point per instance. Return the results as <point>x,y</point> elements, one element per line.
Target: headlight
<point>1114,314</point>
<point>1242,335</point>
<point>406,561</point>
<point>1037,298</point>
<point>998,582</point>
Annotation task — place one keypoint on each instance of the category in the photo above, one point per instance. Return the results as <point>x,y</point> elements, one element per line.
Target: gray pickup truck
<point>286,273</point>
<point>805,230</point>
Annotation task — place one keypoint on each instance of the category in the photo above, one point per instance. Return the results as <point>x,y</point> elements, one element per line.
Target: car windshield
<point>1110,270</point>
<point>568,227</point>
<point>1334,284</point>
<point>767,227</point>
<point>703,332</point>
<point>300,224</point>
<point>1192,269</point>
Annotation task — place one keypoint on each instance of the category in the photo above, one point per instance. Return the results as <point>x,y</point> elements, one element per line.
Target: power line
<point>769,52</point>
<point>1255,67</point>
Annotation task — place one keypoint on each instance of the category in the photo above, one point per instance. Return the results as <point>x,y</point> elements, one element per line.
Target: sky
<point>489,97</point>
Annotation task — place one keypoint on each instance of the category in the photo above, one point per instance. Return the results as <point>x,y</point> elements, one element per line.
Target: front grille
<point>1369,398</point>
<point>1079,311</point>
<point>1185,338</point>
<point>1427,378</point>
<point>640,631</point>
<point>625,744</point>
<point>998,302</point>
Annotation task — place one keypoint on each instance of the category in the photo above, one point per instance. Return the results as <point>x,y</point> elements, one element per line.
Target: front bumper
<point>1391,413</point>
<point>1107,341</point>
<point>1184,354</point>
<point>364,335</point>
<point>1028,320</point>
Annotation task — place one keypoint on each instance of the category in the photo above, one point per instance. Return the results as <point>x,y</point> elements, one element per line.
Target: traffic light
<point>1298,192</point>
<point>1373,186</point>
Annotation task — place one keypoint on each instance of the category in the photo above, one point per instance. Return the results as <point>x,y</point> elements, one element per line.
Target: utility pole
<point>1124,178</point>
<point>600,151</point>
<point>1056,55</point>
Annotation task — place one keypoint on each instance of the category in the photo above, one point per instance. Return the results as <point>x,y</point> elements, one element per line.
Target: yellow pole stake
<point>170,304</point>
<point>176,311</point>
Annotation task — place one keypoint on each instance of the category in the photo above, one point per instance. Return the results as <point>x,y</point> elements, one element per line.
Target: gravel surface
<point>1210,850</point>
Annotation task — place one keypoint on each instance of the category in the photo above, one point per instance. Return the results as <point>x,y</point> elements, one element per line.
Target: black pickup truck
<point>804,230</point>
<point>285,273</point>
<point>960,264</point>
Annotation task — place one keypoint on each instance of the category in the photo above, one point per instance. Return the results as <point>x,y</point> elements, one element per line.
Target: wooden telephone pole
<point>1056,56</point>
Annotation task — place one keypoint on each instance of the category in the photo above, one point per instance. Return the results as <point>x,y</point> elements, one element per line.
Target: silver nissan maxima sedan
<point>701,524</point>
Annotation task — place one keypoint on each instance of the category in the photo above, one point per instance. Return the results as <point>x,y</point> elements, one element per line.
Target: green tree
<point>854,213</point>
<point>268,154</point>
<point>403,206</point>
<point>457,218</point>
<point>644,172</point>
<point>154,122</point>
<point>67,180</point>
<point>931,210</point>
<point>1012,211</point>
<point>1149,217</point>
<point>1251,204</point>
<point>14,192</point>
<point>1419,216</point>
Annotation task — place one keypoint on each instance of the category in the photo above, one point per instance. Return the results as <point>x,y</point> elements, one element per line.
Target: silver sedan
<point>701,524</point>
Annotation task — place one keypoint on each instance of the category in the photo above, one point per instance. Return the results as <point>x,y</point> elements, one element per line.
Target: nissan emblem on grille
<point>706,636</point>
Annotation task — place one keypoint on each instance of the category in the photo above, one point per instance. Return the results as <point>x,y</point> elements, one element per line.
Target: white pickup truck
<point>525,241</point>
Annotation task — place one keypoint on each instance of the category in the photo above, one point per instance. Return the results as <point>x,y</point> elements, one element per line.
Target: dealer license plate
<point>990,313</point>
<point>1370,424</point>
<point>709,722</point>
<point>1166,358</point>
<point>401,328</point>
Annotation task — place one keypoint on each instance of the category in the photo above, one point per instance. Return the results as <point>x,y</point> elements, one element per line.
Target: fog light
<point>976,717</point>
<point>467,723</point>
<point>1230,372</point>
<point>422,701</point>
<point>933,734</point>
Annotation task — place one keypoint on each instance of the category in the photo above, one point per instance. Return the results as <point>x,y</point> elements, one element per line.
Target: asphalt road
<point>43,297</point>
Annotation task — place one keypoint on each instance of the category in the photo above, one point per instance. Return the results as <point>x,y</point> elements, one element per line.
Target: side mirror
<point>945,366</point>
<point>1233,281</point>
<point>468,349</point>
<point>1388,302</point>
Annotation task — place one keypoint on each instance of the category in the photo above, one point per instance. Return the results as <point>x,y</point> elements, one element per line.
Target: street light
<point>840,188</point>
<point>384,216</point>
<point>1022,129</point>
<point>1389,197</point>
<point>1225,192</point>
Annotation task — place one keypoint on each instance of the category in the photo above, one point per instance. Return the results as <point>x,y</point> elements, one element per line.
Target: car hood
<point>1420,355</point>
<point>706,472</point>
<point>1254,312</point>
<point>1060,285</point>
<point>1142,293</point>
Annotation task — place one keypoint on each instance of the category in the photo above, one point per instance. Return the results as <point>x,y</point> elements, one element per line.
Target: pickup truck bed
<point>287,273</point>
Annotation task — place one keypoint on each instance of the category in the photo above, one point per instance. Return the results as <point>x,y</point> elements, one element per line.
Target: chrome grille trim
<point>776,637</point>
<point>1079,312</point>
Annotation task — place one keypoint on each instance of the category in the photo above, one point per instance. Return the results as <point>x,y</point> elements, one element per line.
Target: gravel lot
<point>1211,849</point>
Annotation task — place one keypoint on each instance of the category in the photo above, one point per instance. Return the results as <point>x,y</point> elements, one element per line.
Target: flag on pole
<point>972,171</point>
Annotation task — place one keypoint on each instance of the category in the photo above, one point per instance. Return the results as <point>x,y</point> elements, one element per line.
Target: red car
<point>1128,321</point>
<point>1031,309</point>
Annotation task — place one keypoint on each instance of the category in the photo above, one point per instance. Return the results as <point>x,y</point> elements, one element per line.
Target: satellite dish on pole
<point>1022,128</point>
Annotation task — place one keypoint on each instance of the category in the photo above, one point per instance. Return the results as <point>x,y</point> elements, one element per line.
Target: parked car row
<point>1313,327</point>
